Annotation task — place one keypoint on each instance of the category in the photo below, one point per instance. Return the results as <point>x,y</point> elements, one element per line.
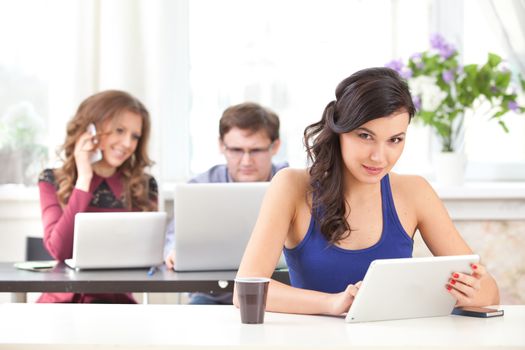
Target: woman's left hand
<point>464,287</point>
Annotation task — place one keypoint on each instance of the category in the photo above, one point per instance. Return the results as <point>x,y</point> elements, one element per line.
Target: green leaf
<point>502,80</point>
<point>499,114</point>
<point>503,125</point>
<point>443,129</point>
<point>471,70</point>
<point>494,60</point>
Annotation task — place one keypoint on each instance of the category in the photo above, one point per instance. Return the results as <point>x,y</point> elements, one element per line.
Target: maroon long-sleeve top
<point>105,194</point>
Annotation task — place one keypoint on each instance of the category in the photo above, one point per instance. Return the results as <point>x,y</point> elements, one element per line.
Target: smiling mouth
<point>119,153</point>
<point>372,169</point>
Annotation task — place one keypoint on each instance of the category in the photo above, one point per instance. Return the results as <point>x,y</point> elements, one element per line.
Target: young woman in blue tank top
<point>347,209</point>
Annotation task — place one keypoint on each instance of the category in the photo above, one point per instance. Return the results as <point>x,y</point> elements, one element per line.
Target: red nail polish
<point>474,266</point>
<point>453,282</point>
<point>449,287</point>
<point>455,275</point>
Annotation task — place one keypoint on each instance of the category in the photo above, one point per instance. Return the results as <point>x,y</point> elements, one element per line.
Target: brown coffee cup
<point>252,293</point>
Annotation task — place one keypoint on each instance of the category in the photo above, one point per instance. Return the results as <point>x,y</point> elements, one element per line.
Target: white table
<point>63,326</point>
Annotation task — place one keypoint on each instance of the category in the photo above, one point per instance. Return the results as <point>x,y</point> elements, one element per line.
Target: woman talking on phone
<point>348,209</point>
<point>104,161</point>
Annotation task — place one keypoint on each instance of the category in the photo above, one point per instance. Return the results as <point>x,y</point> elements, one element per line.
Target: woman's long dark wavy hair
<point>97,109</point>
<point>364,96</point>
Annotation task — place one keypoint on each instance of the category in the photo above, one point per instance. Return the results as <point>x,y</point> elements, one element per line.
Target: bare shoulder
<point>290,185</point>
<point>292,178</point>
<point>411,186</point>
<point>416,194</point>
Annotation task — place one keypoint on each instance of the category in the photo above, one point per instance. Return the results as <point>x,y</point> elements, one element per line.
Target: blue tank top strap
<point>390,216</point>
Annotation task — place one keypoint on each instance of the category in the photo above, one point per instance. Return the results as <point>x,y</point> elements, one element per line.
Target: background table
<point>64,279</point>
<point>89,326</point>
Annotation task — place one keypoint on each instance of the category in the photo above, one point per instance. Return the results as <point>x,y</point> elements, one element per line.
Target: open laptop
<point>407,288</point>
<point>213,223</point>
<point>118,240</point>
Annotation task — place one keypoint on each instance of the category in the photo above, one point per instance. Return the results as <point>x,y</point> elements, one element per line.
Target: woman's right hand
<point>341,302</point>
<point>84,147</point>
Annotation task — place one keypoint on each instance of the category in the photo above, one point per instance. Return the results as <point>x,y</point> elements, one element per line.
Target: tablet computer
<point>407,288</point>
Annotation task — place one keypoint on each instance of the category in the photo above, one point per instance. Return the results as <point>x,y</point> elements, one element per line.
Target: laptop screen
<point>118,240</point>
<point>213,223</point>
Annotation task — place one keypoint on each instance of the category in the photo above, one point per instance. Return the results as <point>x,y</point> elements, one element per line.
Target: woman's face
<point>370,151</point>
<point>119,138</point>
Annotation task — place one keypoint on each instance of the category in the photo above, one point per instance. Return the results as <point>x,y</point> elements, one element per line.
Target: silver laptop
<point>407,288</point>
<point>118,240</point>
<point>213,223</point>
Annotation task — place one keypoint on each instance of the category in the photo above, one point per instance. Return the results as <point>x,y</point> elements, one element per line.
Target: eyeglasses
<point>237,153</point>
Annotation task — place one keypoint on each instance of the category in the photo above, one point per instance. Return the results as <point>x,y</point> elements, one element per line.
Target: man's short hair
<point>249,116</point>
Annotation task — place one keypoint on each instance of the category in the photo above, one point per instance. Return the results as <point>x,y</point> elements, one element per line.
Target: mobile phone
<point>96,155</point>
<point>482,312</point>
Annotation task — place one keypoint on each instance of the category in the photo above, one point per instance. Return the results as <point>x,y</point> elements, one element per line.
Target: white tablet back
<point>407,288</point>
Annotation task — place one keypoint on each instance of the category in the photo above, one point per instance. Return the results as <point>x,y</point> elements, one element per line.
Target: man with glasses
<point>248,138</point>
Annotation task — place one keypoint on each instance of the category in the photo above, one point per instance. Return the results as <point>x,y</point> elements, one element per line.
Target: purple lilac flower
<point>406,73</point>
<point>445,49</point>
<point>417,102</point>
<point>437,41</point>
<point>396,65</point>
<point>448,76</point>
<point>416,56</point>
<point>513,106</point>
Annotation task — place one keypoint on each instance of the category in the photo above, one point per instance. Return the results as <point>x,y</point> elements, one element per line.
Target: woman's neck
<point>356,190</point>
<point>103,170</point>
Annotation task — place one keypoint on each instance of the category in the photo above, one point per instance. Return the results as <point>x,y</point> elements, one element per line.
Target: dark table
<point>63,279</point>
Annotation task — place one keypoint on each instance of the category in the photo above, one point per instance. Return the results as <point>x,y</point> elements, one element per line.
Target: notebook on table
<point>118,240</point>
<point>407,288</point>
<point>213,223</point>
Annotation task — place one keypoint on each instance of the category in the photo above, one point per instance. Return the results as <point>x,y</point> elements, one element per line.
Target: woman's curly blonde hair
<point>98,108</point>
